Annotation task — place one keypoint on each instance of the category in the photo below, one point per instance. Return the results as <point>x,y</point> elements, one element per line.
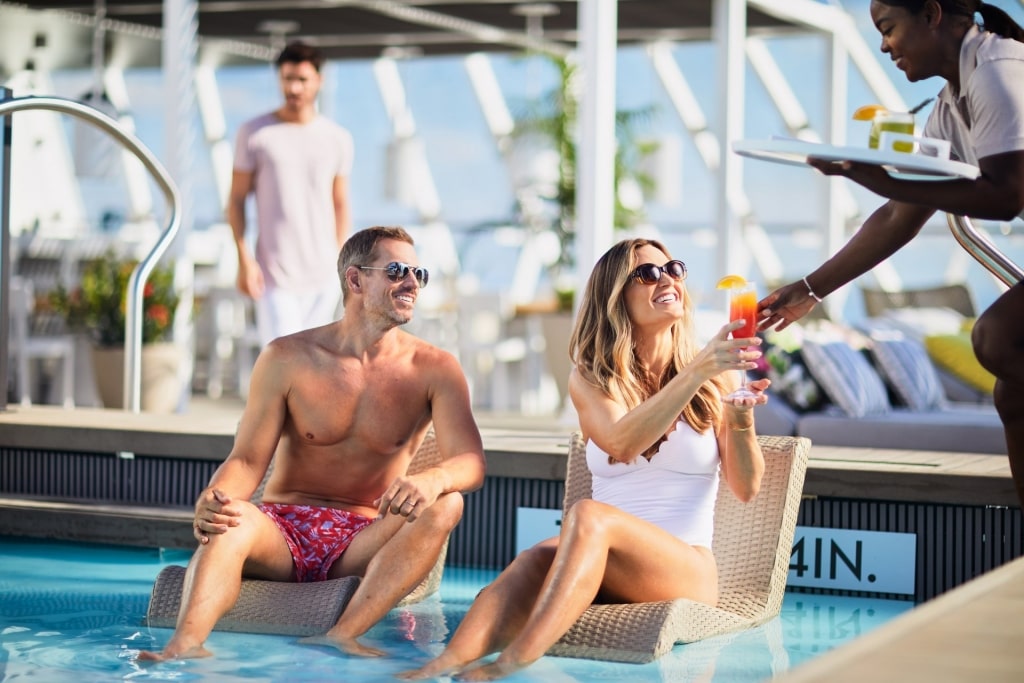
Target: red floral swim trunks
<point>317,536</point>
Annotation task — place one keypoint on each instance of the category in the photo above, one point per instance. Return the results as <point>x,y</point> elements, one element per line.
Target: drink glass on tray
<point>892,122</point>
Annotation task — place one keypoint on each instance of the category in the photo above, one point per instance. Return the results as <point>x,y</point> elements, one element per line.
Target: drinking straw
<point>921,106</point>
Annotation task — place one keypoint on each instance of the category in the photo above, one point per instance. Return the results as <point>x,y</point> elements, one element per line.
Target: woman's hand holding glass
<point>725,354</point>
<point>743,314</point>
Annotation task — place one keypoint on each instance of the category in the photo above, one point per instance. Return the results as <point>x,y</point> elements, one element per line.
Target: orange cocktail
<point>743,306</point>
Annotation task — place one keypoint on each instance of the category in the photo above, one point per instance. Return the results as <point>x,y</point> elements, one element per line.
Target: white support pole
<point>792,112</point>
<point>691,114</point>
<point>595,176</point>
<point>403,125</point>
<point>490,98</point>
<point>532,260</point>
<point>832,214</point>
<point>179,49</point>
<point>832,19</point>
<point>211,113</point>
<point>729,28</point>
<point>140,198</point>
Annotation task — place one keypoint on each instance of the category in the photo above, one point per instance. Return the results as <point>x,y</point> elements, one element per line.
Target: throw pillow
<point>954,352</point>
<point>847,377</point>
<point>906,367</point>
<point>790,378</point>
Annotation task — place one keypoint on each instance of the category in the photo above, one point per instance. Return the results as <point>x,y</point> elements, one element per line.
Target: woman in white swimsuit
<point>658,438</point>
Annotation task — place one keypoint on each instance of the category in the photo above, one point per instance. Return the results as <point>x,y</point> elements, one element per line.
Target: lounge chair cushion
<point>297,609</point>
<point>847,377</point>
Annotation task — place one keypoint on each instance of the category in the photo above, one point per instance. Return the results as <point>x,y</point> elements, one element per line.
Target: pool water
<point>75,612</point>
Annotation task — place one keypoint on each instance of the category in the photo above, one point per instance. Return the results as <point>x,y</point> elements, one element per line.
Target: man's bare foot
<point>196,652</point>
<point>349,646</point>
<point>489,672</point>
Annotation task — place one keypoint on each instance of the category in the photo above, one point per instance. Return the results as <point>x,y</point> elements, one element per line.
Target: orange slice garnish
<point>868,112</point>
<point>731,281</point>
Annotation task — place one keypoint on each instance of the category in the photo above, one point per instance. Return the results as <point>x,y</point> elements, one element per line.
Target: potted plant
<point>97,308</point>
<point>553,119</point>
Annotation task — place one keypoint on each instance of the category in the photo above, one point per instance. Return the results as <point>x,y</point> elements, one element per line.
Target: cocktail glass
<point>895,122</point>
<point>743,306</point>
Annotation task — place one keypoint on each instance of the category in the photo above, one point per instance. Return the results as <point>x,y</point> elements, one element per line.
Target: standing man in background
<point>296,163</point>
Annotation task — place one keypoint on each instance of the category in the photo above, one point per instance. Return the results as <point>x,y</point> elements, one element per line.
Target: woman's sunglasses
<point>650,274</point>
<point>397,271</point>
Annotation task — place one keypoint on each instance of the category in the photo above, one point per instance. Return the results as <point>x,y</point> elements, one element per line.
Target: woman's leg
<point>605,551</point>
<point>998,339</point>
<point>497,614</point>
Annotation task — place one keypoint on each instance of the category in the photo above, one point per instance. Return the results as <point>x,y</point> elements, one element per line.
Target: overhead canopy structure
<point>233,30</point>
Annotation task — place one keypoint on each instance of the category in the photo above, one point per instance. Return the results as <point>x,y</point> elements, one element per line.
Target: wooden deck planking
<point>972,633</point>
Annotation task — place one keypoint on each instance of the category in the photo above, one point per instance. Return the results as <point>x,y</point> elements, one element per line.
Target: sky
<point>472,181</point>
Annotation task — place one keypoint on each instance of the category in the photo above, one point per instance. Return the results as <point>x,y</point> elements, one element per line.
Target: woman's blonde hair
<point>603,348</point>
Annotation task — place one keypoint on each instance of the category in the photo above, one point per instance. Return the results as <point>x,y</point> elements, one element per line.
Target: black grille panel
<point>103,477</point>
<point>486,537</point>
<point>954,543</point>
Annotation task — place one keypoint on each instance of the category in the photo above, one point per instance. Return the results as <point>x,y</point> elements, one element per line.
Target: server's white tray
<point>898,164</point>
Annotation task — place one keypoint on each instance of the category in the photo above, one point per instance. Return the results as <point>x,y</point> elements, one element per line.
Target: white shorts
<point>280,312</point>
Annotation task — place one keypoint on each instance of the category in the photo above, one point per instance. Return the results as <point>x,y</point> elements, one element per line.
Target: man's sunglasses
<point>650,274</point>
<point>398,271</point>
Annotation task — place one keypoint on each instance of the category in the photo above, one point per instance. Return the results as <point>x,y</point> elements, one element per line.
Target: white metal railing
<point>137,281</point>
<point>984,252</point>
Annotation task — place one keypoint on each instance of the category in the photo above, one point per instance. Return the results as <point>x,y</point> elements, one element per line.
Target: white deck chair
<point>25,347</point>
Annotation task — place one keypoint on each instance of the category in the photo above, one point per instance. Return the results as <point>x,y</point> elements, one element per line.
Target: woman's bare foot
<point>168,654</point>
<point>349,646</point>
<point>435,668</point>
<point>490,672</point>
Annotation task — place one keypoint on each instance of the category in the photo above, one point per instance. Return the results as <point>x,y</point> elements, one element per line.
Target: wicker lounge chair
<point>289,608</point>
<point>752,544</point>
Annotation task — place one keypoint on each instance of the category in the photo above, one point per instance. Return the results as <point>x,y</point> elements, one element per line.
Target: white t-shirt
<point>675,490</point>
<point>294,166</point>
<point>987,116</point>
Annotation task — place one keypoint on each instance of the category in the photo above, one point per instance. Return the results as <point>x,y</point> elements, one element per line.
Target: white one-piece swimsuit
<point>675,489</point>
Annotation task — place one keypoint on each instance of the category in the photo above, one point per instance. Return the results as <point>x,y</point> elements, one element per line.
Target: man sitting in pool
<point>344,407</point>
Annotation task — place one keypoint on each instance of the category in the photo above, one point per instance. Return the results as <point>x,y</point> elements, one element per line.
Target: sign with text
<point>850,559</point>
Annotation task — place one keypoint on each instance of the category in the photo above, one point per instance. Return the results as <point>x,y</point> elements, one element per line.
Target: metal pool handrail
<point>981,248</point>
<point>137,281</point>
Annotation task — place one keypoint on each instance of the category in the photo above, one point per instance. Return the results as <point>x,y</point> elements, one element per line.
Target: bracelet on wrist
<point>741,429</point>
<point>810,292</point>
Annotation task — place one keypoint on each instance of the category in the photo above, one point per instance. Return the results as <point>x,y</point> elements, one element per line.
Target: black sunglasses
<point>650,274</point>
<point>398,271</point>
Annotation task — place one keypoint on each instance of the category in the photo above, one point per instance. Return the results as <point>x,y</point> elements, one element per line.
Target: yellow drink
<point>892,122</point>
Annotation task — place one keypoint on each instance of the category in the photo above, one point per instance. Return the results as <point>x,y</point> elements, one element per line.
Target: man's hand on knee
<point>215,514</point>
<point>406,497</point>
